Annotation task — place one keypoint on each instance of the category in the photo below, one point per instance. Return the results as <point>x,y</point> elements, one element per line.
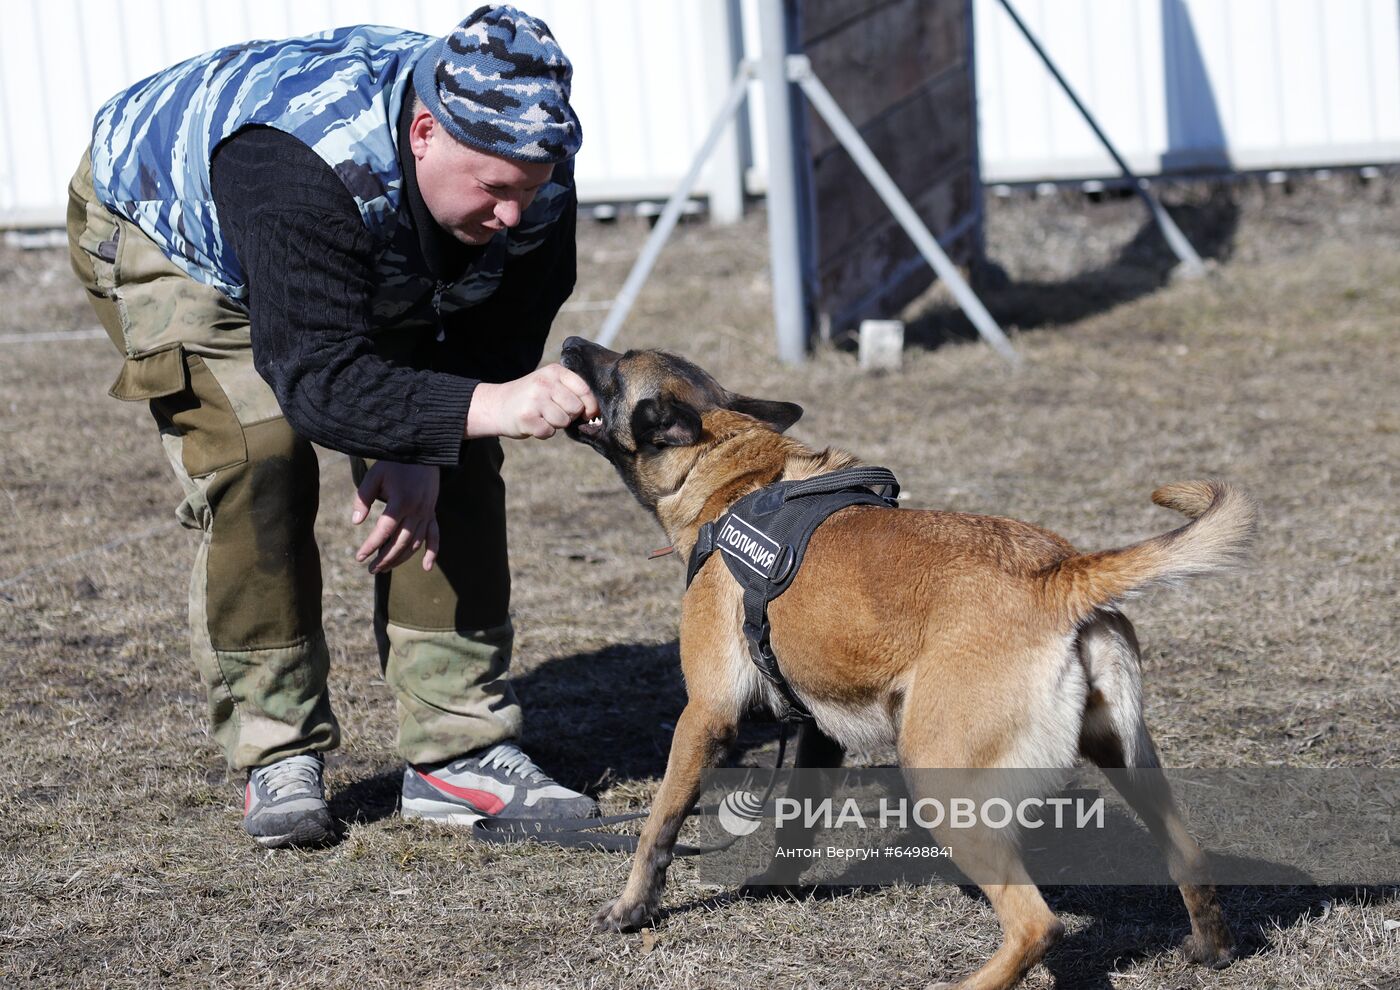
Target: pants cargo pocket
<point>153,375</point>
<point>93,242</point>
<point>184,394</point>
<point>94,239</point>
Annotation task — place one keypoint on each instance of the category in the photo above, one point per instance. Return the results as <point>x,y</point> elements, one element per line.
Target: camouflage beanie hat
<point>499,83</point>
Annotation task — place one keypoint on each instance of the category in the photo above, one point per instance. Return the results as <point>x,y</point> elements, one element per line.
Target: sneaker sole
<point>306,835</point>
<point>438,811</point>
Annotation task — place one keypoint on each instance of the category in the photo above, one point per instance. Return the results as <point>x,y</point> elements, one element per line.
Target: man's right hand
<point>538,405</point>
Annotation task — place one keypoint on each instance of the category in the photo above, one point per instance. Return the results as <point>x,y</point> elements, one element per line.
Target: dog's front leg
<point>701,740</point>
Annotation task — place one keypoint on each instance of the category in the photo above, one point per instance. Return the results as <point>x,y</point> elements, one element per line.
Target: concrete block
<point>881,345</point>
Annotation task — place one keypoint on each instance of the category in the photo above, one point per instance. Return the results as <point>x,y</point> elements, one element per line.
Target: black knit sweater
<point>309,261</point>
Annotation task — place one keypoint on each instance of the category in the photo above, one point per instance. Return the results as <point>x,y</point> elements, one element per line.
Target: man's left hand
<point>409,520</point>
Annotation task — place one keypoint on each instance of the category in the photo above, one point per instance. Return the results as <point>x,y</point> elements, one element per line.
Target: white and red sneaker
<point>497,782</point>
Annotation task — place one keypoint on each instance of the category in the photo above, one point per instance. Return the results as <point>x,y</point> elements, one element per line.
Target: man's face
<point>472,195</point>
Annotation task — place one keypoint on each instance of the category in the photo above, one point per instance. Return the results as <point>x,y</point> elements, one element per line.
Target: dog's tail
<point>1219,536</point>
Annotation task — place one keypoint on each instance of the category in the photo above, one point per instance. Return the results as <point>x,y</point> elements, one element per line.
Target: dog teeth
<point>596,421</point>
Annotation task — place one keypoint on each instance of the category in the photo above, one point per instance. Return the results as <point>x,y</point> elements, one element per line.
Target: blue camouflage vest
<point>340,93</point>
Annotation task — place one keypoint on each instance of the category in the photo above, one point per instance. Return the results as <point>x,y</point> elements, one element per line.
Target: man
<point>357,239</point>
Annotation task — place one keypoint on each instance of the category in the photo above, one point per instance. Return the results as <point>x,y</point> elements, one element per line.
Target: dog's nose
<point>574,344</point>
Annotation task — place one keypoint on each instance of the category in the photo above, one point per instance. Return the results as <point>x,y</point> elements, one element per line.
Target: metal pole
<point>1176,240</point>
<point>724,41</point>
<point>784,243</point>
<point>666,223</point>
<point>800,69</point>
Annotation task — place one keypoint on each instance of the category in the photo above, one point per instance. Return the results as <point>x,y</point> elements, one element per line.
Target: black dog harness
<point>763,537</point>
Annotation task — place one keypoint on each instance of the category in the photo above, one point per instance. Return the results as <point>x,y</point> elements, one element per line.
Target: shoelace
<point>294,775</point>
<point>512,760</point>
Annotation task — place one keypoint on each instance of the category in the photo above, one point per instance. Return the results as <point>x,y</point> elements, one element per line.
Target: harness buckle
<point>792,709</point>
<point>705,539</point>
<point>704,546</point>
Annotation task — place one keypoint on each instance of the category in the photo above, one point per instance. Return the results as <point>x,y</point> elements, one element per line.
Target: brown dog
<point>997,645</point>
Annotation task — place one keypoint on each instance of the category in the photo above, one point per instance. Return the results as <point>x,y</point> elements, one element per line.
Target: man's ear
<point>665,422</point>
<point>779,415</point>
<point>419,130</point>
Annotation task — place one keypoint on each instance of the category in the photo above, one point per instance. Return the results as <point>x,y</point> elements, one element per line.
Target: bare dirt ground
<point>121,861</point>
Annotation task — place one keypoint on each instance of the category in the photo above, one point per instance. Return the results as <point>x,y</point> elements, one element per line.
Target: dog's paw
<point>618,916</point>
<point>1216,953</point>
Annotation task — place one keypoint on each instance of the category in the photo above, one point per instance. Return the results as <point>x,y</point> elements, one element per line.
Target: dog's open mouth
<point>592,428</point>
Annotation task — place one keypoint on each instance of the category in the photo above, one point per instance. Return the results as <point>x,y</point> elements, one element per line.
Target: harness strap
<point>756,632</point>
<point>869,477</point>
<point>772,497</point>
<point>771,527</point>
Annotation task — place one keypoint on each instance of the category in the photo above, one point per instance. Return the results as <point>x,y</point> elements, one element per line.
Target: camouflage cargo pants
<point>251,488</point>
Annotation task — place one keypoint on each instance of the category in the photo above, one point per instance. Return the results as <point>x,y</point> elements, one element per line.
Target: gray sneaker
<point>497,782</point>
<point>285,804</point>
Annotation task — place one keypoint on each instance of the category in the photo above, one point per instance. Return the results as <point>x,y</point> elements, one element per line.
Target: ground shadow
<point>1127,924</point>
<point>599,718</point>
<point>605,717</point>
<point>367,799</point>
<point>1134,923</point>
<point>592,720</point>
<point>1141,267</point>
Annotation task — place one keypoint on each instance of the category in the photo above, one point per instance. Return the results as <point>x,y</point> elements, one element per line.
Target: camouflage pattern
<point>339,92</point>
<point>146,244</point>
<point>444,635</point>
<point>154,313</point>
<point>255,625</point>
<point>451,689</point>
<point>251,490</point>
<point>500,83</point>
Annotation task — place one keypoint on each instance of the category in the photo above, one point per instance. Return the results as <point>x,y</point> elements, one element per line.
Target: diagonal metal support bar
<point>1176,240</point>
<point>800,72</point>
<point>666,223</point>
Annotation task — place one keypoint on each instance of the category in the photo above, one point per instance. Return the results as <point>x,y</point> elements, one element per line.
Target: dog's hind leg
<point>702,738</point>
<point>1115,738</point>
<point>990,857</point>
<point>1029,928</point>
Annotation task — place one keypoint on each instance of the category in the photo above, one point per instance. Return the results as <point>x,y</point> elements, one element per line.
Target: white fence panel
<point>648,76</point>
<point>1177,84</point>
<point>1189,84</point>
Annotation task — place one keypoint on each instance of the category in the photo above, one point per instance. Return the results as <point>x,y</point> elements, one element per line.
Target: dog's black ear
<point>665,422</point>
<point>779,415</point>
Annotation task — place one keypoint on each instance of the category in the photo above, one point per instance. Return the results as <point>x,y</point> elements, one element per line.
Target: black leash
<point>578,833</point>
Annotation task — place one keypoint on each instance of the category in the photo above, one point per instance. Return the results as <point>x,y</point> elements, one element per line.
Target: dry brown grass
<point>121,863</point>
